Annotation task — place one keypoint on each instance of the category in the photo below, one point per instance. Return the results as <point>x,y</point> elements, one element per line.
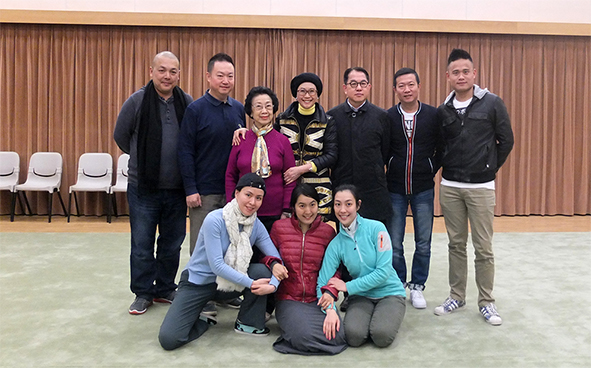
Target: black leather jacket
<point>478,142</point>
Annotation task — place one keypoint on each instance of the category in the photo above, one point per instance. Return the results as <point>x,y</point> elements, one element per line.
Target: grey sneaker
<point>166,299</point>
<point>448,306</point>
<point>490,314</point>
<point>139,306</point>
<point>210,309</point>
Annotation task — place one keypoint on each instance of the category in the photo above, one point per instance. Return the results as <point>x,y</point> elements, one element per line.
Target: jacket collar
<point>349,109</point>
<point>400,111</point>
<point>478,93</point>
<point>289,113</point>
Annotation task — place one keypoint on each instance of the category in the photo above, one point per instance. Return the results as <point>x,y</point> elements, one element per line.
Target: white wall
<point>560,11</point>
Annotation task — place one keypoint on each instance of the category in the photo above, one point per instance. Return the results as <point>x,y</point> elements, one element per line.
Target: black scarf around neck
<point>149,140</point>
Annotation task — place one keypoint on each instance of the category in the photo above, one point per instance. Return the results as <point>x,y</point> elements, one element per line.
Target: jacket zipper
<point>302,268</point>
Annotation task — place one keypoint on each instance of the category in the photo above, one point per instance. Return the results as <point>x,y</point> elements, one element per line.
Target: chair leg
<point>69,206</point>
<point>20,202</point>
<point>59,195</point>
<point>114,200</point>
<point>27,203</point>
<point>12,206</point>
<point>108,206</point>
<point>50,205</point>
<point>76,202</point>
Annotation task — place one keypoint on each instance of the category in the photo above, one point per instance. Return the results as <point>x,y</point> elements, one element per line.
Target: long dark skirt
<point>301,330</point>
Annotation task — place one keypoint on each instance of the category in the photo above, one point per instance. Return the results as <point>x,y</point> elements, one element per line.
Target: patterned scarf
<point>240,250</point>
<point>260,164</point>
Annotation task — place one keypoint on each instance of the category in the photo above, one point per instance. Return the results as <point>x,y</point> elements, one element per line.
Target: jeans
<point>165,210</point>
<point>421,205</point>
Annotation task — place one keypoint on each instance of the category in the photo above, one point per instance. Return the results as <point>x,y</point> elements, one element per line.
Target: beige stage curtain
<point>62,87</point>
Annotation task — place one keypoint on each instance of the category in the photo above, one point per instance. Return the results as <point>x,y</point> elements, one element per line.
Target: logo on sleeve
<point>384,242</point>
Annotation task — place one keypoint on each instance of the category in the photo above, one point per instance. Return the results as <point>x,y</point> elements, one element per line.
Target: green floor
<point>64,300</point>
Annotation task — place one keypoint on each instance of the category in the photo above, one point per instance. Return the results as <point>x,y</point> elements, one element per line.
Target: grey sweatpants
<point>182,324</point>
<point>378,319</point>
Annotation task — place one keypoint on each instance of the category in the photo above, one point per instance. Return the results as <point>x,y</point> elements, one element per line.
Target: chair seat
<point>83,187</point>
<point>7,186</point>
<point>119,187</point>
<point>36,184</point>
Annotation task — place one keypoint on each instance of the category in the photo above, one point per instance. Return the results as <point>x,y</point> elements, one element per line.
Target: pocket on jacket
<point>452,127</point>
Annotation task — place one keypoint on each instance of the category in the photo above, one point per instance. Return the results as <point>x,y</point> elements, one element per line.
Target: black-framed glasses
<point>354,84</point>
<point>303,92</point>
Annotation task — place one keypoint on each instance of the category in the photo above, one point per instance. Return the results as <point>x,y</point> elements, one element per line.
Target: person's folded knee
<point>167,341</point>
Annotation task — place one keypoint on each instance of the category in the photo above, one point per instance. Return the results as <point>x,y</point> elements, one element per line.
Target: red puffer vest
<point>302,254</point>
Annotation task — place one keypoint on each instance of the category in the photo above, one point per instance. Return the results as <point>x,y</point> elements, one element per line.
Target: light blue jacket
<point>368,258</point>
<point>213,241</point>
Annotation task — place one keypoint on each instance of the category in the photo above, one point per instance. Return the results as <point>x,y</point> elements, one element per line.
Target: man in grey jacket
<point>478,138</point>
<point>147,128</point>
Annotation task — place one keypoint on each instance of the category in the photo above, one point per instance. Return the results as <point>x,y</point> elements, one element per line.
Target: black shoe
<point>166,299</point>
<point>345,304</point>
<point>210,320</point>
<point>139,306</point>
<point>231,303</point>
<point>210,309</point>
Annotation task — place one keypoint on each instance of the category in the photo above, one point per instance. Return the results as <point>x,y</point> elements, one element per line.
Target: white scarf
<point>239,252</point>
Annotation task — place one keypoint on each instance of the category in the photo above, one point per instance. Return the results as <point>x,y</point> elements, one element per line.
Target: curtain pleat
<point>62,87</point>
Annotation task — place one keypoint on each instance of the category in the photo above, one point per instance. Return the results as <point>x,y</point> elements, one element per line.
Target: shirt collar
<point>352,228</point>
<point>356,109</point>
<point>214,101</point>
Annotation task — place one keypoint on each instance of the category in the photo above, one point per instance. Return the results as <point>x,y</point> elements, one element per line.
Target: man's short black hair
<point>457,54</point>
<point>256,91</point>
<point>218,57</point>
<point>357,69</point>
<point>405,71</point>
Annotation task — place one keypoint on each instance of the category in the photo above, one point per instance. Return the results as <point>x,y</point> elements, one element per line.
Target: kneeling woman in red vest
<point>306,328</point>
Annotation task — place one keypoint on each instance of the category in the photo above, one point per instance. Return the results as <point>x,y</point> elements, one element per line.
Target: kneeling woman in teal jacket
<point>376,294</point>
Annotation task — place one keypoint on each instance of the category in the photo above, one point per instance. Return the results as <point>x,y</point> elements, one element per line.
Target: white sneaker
<point>490,314</point>
<point>417,299</point>
<point>448,306</point>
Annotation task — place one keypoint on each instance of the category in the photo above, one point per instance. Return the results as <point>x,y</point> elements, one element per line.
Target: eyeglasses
<point>303,92</point>
<point>354,84</point>
<point>268,107</point>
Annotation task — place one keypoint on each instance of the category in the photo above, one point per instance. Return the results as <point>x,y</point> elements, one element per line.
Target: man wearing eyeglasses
<point>363,132</point>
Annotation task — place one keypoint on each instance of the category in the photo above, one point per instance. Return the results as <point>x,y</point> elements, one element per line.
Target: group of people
<point>259,201</point>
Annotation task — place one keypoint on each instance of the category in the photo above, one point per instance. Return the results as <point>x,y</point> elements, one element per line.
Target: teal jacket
<point>368,259</point>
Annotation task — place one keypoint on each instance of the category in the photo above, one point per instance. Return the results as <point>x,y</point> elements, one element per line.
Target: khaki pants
<point>197,215</point>
<point>459,206</point>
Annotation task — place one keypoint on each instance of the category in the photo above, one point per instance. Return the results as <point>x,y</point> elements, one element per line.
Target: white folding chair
<point>44,174</point>
<point>9,174</point>
<point>95,172</point>
<point>121,181</point>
